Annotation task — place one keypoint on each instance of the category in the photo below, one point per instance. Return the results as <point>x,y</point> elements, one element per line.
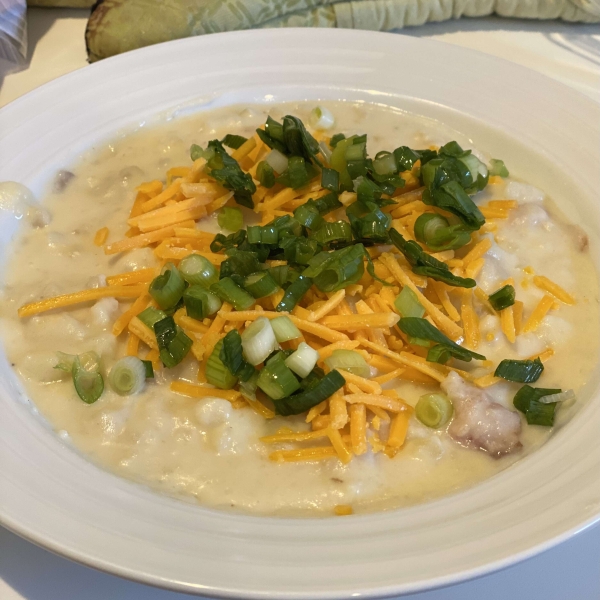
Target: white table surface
<point>571,571</point>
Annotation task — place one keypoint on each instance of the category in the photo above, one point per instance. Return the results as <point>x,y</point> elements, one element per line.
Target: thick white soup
<point>371,449</point>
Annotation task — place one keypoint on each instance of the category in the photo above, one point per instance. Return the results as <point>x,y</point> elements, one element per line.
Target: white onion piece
<point>277,161</point>
<point>303,360</point>
<point>321,118</point>
<point>561,397</point>
<point>258,341</point>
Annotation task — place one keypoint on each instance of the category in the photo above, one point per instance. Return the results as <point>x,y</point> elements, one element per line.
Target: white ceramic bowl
<point>54,497</point>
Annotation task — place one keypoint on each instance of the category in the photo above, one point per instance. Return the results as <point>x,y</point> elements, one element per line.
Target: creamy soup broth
<point>204,449</point>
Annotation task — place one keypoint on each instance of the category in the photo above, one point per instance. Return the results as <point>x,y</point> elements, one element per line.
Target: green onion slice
<point>319,390</point>
<point>149,369</point>
<point>173,343</point>
<point>521,371</point>
<point>230,218</point>
<point>260,284</point>
<point>349,360</point>
<point>421,328</point>
<point>503,298</point>
<point>198,270</point>
<point>233,141</point>
<point>434,410</point>
<point>284,329</point>
<point>303,360</point>
<point>424,264</point>
<point>436,233</point>
<point>258,341</point>
<point>89,383</point>
<point>226,170</point>
<point>330,180</point>
<point>200,303</point>
<point>231,356</point>
<point>228,291</point>
<point>167,288</point>
<point>333,233</point>
<point>217,373</point>
<point>128,376</point>
<point>276,379</point>
<point>407,304</point>
<point>528,401</point>
<point>151,315</point>
<point>498,168</point>
<point>294,294</point>
<point>265,174</point>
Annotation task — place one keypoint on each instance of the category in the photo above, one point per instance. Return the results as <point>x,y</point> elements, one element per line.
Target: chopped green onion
<point>272,135</point>
<point>330,180</point>
<point>326,204</point>
<point>407,304</point>
<point>333,271</point>
<point>148,368</point>
<point>277,161</point>
<point>312,395</point>
<point>309,216</point>
<point>233,141</point>
<point>260,284</point>
<point>338,137</point>
<point>424,264</point>
<point>217,373</point>
<point>128,376</point>
<point>452,197</point>
<point>298,141</point>
<point>276,379</point>
<point>196,152</point>
<point>284,329</point>
<point>226,170</point>
<point>333,233</point>
<point>321,118</point>
<point>372,227</point>
<point>65,361</point>
<point>405,158</point>
<point>349,360</point>
<point>439,353</point>
<point>298,173</point>
<point>173,343</point>
<point>240,262</point>
<point>198,270</point>
<point>265,174</point>
<point>258,341</point>
<point>294,294</point>
<point>231,356</point>
<point>200,303</point>
<point>527,400</point>
<point>479,172</point>
<point>503,298</point>
<point>228,291</point>
<point>522,371</point>
<point>87,379</point>
<point>299,250</point>
<point>421,328</point>
<point>281,274</point>
<point>303,360</point>
<point>435,231</point>
<point>434,410</point>
<point>233,240</point>
<point>151,315</point>
<point>230,218</point>
<point>498,168</point>
<point>167,288</point>
<point>385,163</point>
